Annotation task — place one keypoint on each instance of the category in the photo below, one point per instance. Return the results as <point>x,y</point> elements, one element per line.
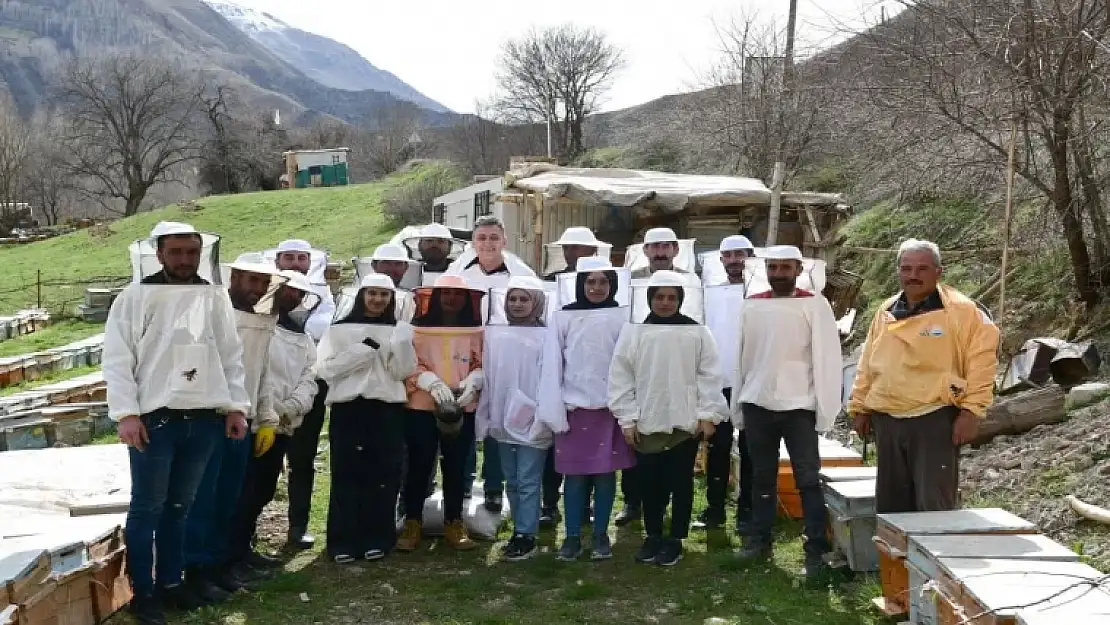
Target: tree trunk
<point>1084,158</point>
<point>1062,201</point>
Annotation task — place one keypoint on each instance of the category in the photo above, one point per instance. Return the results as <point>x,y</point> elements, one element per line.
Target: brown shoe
<point>458,538</point>
<point>410,536</point>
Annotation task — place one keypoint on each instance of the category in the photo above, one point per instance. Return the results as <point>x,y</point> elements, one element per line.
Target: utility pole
<point>787,93</point>
<point>788,69</point>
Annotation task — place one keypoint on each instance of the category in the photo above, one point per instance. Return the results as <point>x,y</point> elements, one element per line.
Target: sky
<point>448,49</point>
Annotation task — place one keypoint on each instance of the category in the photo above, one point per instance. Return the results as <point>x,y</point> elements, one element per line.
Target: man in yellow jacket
<point>925,378</point>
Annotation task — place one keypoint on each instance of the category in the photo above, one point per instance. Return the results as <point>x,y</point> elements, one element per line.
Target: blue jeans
<point>210,520</point>
<point>576,490</point>
<point>523,469</point>
<point>493,480</point>
<point>164,481</point>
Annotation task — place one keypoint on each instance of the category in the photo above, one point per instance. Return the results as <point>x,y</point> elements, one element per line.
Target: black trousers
<point>717,463</point>
<point>630,487</point>
<point>667,478</point>
<point>302,459</point>
<point>365,439</point>
<point>259,487</point>
<point>798,429</point>
<point>422,438</point>
<point>919,467</point>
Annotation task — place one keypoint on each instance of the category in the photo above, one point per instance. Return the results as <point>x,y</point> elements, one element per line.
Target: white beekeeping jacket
<point>511,359</point>
<point>724,306</point>
<point>788,357</point>
<point>292,362</point>
<point>666,377</point>
<point>170,345</point>
<point>579,346</point>
<point>322,315</point>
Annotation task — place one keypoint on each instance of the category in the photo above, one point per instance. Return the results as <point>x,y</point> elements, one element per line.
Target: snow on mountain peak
<point>246,18</point>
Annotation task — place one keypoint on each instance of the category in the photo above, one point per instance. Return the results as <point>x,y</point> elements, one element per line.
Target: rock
<point>1087,394</point>
<point>1083,462</point>
<point>1010,463</point>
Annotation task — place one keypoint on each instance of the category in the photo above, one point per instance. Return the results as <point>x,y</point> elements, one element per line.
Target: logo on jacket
<point>190,375</point>
<point>933,332</point>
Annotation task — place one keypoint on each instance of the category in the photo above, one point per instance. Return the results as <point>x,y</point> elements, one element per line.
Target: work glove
<point>264,439</point>
<point>438,389</point>
<point>471,386</point>
<point>371,343</point>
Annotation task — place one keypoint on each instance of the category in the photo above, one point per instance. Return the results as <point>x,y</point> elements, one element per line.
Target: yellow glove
<point>264,440</point>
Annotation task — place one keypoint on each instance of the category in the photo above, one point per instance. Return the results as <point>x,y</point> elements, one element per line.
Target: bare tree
<point>396,136</point>
<point>132,123</point>
<point>745,110</point>
<point>559,75</point>
<point>46,182</point>
<point>15,140</point>
<point>483,144</point>
<point>972,72</point>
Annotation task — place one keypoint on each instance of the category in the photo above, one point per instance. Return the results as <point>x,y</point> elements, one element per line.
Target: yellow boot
<point>458,538</point>
<point>410,536</point>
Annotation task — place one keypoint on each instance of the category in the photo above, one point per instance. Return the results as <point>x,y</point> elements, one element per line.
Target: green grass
<point>57,334</point>
<point>439,586</point>
<point>346,220</point>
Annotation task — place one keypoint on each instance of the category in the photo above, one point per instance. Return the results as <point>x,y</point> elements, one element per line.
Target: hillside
<point>36,37</point>
<point>347,221</point>
<point>326,61</point>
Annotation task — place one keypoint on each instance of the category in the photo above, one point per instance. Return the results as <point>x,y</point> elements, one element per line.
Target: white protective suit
<point>321,317</point>
<point>292,376</point>
<point>724,305</point>
<point>511,359</point>
<point>789,358</point>
<point>256,329</point>
<point>173,346</point>
<point>666,377</point>
<point>353,369</point>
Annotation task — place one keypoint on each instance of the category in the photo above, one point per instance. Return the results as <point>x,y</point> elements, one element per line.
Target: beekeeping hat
<point>310,300</point>
<point>666,277</point>
<point>593,263</point>
<point>390,252</point>
<point>782,252</point>
<point>736,242</point>
<point>376,281</point>
<point>579,235</point>
<point>294,245</point>
<point>692,304</point>
<point>144,252</point>
<point>660,235</point>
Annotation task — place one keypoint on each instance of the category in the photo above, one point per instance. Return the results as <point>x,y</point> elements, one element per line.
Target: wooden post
<point>776,203</point>
<point>537,230</point>
<point>1007,222</point>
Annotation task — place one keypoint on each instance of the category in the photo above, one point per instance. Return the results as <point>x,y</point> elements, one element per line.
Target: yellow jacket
<point>940,358</point>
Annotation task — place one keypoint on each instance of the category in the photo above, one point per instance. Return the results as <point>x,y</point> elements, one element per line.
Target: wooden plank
<point>813,230</point>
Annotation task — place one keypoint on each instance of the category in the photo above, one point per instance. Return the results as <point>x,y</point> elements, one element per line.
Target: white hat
<point>296,280</point>
<point>735,242</point>
<point>660,235</point>
<point>294,245</point>
<point>528,283</point>
<point>666,277</point>
<point>782,252</point>
<point>578,235</point>
<point>593,263</point>
<point>377,281</point>
<point>390,252</point>
<point>170,228</point>
<point>435,231</point>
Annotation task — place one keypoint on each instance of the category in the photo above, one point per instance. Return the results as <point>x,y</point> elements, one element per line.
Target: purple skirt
<point>593,446</point>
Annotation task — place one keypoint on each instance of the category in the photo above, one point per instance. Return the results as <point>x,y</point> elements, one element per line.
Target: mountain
<point>37,36</point>
<point>328,62</point>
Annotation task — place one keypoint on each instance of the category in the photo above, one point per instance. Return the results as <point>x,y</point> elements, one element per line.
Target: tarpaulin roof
<point>629,187</point>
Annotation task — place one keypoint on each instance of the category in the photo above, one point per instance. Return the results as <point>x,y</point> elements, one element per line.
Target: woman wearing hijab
<point>443,395</point>
<point>665,391</point>
<point>365,359</point>
<point>589,447</point>
<point>507,409</point>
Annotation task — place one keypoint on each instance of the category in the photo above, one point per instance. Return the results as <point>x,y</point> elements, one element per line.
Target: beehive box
<point>852,517</point>
<point>833,454</point>
<point>987,590</point>
<point>23,432</point>
<point>21,572</point>
<point>892,533</point>
<point>847,474</point>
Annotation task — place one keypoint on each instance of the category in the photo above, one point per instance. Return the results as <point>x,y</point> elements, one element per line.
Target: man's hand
<point>965,429</point>
<point>861,423</point>
<point>631,435</point>
<point>235,425</point>
<point>705,430</point>
<point>132,432</point>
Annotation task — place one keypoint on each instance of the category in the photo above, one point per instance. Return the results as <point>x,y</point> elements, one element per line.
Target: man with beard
<point>660,248</point>
<point>292,384</point>
<point>296,255</point>
<point>210,569</point>
<point>434,246</point>
<point>170,418</point>
<point>925,378</point>
<point>576,242</point>
<point>786,388</point>
<point>735,250</point>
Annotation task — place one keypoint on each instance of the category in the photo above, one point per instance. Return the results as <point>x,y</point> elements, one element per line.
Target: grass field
<point>437,586</point>
<point>347,221</point>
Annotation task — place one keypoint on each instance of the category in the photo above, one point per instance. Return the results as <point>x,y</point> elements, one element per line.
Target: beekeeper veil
<point>639,257</point>
<point>668,298</point>
<point>253,284</point>
<point>296,300</point>
<point>434,248</point>
<point>810,274</point>
<point>176,254</point>
<point>522,303</point>
<point>595,283</point>
<point>576,238</point>
<point>393,261</point>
